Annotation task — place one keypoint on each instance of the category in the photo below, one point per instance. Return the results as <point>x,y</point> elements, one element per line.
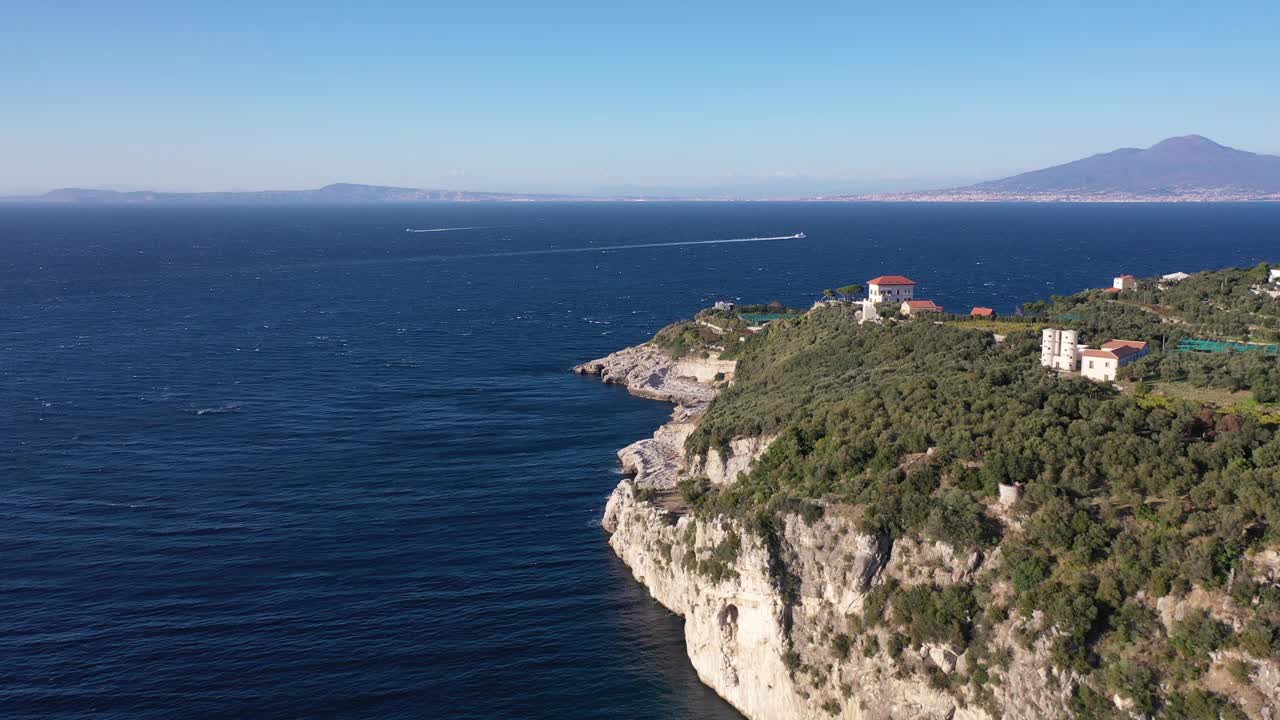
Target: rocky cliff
<point>779,620</point>
<point>770,619</point>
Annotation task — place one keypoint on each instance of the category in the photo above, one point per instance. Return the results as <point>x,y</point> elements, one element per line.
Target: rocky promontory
<point>802,605</point>
<point>764,615</point>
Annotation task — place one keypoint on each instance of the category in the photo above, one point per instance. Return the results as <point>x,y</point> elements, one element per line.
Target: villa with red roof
<point>982,312</point>
<point>890,289</point>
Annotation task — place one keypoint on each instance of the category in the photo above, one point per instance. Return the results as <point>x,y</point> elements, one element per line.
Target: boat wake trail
<point>538,251</point>
<point>451,229</point>
<point>633,246</point>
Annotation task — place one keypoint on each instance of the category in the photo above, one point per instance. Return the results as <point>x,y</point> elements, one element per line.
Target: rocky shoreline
<point>648,372</point>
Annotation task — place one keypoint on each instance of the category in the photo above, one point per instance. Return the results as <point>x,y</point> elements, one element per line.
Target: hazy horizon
<point>575,98</point>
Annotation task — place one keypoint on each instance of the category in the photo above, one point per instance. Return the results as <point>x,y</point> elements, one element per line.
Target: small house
<point>890,289</point>
<point>913,307</point>
<point>724,305</point>
<point>1124,282</point>
<point>982,312</point>
<point>1275,275</point>
<point>1175,277</point>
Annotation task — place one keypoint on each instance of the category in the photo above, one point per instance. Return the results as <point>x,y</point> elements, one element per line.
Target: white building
<point>1175,277</point>
<point>1102,364</point>
<point>1059,351</point>
<point>1275,275</point>
<point>890,289</point>
<point>1125,282</point>
<point>724,305</point>
<point>868,313</point>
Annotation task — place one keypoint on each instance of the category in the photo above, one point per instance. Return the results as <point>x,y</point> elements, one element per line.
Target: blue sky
<point>554,96</point>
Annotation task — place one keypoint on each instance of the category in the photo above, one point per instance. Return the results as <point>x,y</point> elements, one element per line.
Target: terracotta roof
<point>891,280</point>
<point>923,305</point>
<point>1126,277</point>
<point>1112,289</point>
<point>1124,348</point>
<point>1115,349</point>
<point>982,312</point>
<point>1135,344</point>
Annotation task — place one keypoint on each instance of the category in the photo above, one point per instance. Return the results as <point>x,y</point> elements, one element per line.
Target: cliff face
<point>763,620</point>
<point>767,620</point>
<point>774,617</point>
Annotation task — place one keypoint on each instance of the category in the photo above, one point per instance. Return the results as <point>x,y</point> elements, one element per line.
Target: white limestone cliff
<point>762,616</point>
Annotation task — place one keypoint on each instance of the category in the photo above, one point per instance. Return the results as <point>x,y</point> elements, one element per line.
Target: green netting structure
<point>1224,346</point>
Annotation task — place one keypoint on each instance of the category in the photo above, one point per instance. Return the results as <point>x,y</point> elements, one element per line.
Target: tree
<point>848,291</point>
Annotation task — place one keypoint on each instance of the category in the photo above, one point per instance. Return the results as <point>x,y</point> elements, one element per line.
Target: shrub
<point>1198,635</point>
<point>1200,705</point>
<point>840,645</point>
<point>929,613</point>
<point>1259,638</point>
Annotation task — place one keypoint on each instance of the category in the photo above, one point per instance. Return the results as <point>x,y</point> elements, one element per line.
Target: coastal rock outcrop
<point>691,383</point>
<point>647,371</point>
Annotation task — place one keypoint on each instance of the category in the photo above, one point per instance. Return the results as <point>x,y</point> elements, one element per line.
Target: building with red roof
<point>1102,364</point>
<point>982,312</point>
<point>1124,282</point>
<point>890,288</point>
<point>911,307</point>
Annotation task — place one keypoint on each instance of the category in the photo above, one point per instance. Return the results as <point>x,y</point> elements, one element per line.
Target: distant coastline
<point>376,195</point>
<point>1183,169</point>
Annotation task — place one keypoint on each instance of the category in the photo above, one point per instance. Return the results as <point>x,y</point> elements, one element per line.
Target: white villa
<point>890,289</point>
<point>1275,275</point>
<point>1175,277</point>
<point>1060,351</point>
<point>1125,282</point>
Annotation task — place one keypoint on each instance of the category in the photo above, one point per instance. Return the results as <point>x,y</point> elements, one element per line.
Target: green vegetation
<point>718,565</point>
<point>718,330</point>
<point>915,425</point>
<point>930,614</point>
<point>686,338</point>
<point>1004,326</point>
<point>850,291</point>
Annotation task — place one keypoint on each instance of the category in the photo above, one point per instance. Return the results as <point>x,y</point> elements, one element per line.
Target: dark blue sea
<point>299,463</point>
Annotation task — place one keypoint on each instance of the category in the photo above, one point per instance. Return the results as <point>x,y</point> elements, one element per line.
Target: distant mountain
<point>1186,168</point>
<point>340,193</point>
<point>1189,163</point>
